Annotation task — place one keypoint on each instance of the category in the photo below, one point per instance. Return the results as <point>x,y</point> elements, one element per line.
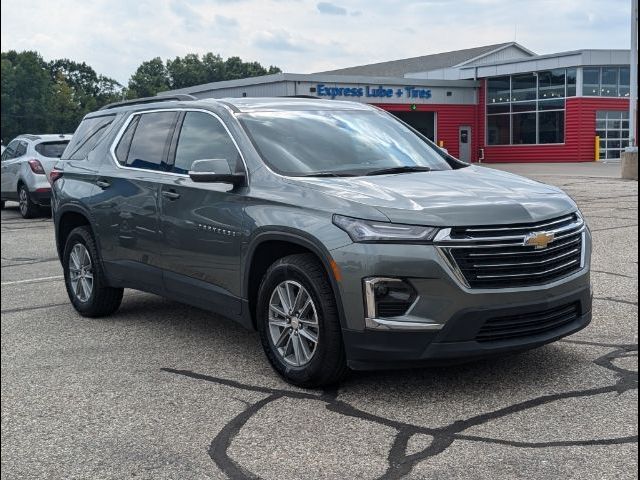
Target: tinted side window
<point>10,151</point>
<point>202,136</point>
<point>122,150</point>
<point>51,149</point>
<point>21,149</point>
<point>87,135</point>
<point>151,140</point>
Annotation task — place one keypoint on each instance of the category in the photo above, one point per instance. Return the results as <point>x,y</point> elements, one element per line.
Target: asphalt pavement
<point>165,391</point>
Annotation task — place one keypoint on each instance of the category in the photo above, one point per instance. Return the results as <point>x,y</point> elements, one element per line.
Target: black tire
<point>328,364</point>
<point>28,209</point>
<point>103,300</point>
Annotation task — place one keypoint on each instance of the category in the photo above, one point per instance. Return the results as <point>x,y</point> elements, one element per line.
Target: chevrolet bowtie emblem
<point>539,240</point>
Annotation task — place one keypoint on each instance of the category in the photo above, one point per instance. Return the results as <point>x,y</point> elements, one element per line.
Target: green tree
<point>149,79</point>
<point>63,110</point>
<point>49,97</point>
<point>26,86</point>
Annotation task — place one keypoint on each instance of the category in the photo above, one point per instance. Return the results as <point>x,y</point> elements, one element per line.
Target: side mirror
<point>215,170</point>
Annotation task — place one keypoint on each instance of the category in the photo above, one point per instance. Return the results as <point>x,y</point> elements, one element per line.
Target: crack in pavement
<point>27,261</point>
<point>615,274</point>
<point>617,300</point>
<point>613,228</point>
<point>399,462</point>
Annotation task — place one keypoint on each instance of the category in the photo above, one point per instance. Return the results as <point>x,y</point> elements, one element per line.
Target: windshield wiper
<point>328,174</point>
<point>403,169</point>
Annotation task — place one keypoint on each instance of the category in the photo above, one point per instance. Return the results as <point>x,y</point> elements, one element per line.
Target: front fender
<point>298,237</point>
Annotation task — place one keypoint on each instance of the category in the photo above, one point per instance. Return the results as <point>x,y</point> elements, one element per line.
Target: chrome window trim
<point>116,140</point>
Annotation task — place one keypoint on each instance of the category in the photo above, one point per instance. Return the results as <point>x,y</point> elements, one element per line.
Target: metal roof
<point>424,63</point>
<point>570,53</point>
<point>319,78</point>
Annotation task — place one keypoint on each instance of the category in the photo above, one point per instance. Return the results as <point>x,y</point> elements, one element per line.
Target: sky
<point>301,36</point>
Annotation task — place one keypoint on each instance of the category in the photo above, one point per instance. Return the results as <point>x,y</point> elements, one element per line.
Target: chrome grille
<point>497,257</point>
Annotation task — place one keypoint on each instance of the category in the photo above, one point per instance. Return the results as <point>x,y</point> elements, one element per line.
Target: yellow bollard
<point>597,155</point>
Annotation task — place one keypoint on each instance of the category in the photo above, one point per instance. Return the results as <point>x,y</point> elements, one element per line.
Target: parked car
<point>347,239</point>
<point>25,164</point>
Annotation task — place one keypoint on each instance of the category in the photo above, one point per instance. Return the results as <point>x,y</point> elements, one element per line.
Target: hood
<point>468,196</point>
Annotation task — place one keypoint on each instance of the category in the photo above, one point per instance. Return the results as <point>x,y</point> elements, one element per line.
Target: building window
<point>528,109</point>
<point>571,82</point>
<point>523,87</point>
<point>551,127</point>
<point>605,81</point>
<point>499,90</point>
<point>524,128</point>
<point>613,129</point>
<point>498,129</point>
<point>551,84</point>
<point>591,81</point>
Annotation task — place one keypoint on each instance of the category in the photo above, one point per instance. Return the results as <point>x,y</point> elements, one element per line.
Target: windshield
<point>338,142</point>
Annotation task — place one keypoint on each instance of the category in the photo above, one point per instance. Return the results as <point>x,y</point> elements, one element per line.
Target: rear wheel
<point>86,285</point>
<point>28,209</point>
<point>298,322</point>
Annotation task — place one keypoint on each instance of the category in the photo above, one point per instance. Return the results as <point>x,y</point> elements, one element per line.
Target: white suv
<point>26,164</point>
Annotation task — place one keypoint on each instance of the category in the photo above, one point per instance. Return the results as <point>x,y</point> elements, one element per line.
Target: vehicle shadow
<point>500,373</point>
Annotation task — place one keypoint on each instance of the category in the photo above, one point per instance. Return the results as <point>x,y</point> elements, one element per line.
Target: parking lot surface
<point>161,390</point>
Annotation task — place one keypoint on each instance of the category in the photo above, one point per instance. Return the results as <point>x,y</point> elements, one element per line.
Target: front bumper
<point>457,341</point>
<point>444,321</point>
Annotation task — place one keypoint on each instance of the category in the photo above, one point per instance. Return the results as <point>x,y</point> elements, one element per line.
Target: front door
<point>464,137</point>
<point>11,163</point>
<point>8,157</point>
<point>201,223</point>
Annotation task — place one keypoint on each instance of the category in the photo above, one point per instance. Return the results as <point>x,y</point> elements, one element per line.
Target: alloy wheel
<point>293,323</point>
<point>23,201</point>
<point>81,272</point>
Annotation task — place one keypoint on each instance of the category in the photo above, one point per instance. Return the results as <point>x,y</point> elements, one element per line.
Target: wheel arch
<point>68,218</point>
<point>288,243</point>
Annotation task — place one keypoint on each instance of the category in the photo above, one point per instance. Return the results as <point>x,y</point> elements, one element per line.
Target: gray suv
<point>346,238</point>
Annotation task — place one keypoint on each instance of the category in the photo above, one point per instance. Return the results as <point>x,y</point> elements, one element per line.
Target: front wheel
<point>83,276</point>
<point>298,322</point>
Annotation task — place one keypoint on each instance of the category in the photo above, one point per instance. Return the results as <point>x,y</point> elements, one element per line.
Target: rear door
<point>128,213</point>
<point>201,223</point>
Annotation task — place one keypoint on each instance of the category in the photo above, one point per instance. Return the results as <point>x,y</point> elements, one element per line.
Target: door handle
<point>103,184</point>
<point>170,194</point>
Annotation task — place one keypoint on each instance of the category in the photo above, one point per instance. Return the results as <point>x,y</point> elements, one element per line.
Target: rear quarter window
<point>52,149</point>
<point>88,134</point>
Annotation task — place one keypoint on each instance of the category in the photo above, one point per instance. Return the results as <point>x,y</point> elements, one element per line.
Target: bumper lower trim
<point>400,325</point>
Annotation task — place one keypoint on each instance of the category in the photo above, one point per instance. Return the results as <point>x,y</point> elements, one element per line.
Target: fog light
<point>387,297</point>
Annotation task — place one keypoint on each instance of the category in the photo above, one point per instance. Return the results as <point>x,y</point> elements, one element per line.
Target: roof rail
<point>303,96</point>
<point>139,101</point>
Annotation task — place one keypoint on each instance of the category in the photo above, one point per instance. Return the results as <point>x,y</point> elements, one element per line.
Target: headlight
<point>373,231</point>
